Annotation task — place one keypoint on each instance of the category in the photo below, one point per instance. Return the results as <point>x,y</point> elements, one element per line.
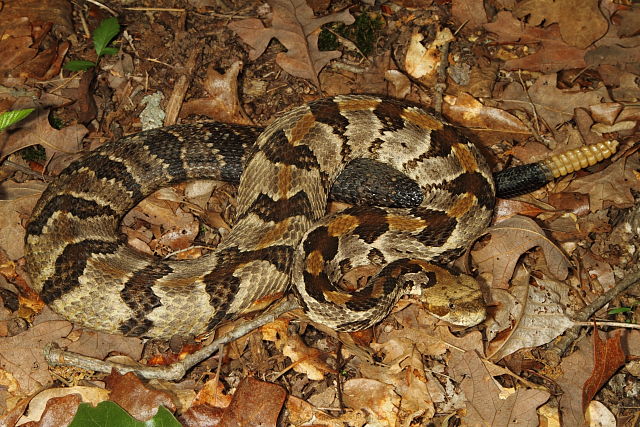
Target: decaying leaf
<point>295,26</point>
<point>535,316</point>
<point>254,403</point>
<point>37,130</point>
<point>608,357</point>
<point>22,356</point>
<point>468,111</point>
<point>581,22</point>
<point>422,62</point>
<point>612,186</point>
<point>552,55</point>
<point>509,240</point>
<point>222,104</point>
<point>378,399</point>
<point>491,405</point>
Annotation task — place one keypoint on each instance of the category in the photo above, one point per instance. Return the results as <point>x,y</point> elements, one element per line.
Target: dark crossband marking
<point>76,206</point>
<point>70,265</point>
<point>140,298</point>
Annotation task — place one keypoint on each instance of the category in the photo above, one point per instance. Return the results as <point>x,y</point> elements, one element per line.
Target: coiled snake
<point>83,268</point>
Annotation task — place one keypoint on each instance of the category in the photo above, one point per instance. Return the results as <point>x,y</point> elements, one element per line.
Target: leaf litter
<point>525,91</point>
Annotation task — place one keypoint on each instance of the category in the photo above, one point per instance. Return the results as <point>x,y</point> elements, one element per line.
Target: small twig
<point>441,84</point>
<point>97,3</point>
<point>610,324</point>
<point>155,9</point>
<point>58,357</point>
<point>533,108</point>
<point>555,352</point>
<point>27,170</point>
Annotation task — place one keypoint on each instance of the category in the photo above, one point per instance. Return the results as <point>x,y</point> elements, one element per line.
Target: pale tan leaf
<point>296,27</point>
<point>509,240</point>
<point>22,356</point>
<point>535,316</point>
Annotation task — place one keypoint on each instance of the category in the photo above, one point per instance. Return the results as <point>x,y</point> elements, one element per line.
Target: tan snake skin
<point>83,268</point>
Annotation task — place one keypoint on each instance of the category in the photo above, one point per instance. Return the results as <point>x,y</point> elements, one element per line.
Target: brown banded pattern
<point>79,262</point>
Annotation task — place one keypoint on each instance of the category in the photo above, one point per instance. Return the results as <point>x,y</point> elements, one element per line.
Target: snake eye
<point>452,306</point>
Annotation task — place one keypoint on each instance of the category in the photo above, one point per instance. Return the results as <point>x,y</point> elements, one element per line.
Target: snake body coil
<point>83,268</point>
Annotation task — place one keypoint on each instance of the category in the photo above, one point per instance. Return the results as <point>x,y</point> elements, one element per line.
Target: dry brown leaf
<point>99,345</point>
<point>18,200</point>
<point>471,13</point>
<point>530,316</point>
<point>509,240</point>
<point>581,22</point>
<point>56,11</point>
<point>379,400</point>
<point>608,357</point>
<point>612,186</point>
<point>576,369</point>
<point>22,356</point>
<point>295,26</point>
<point>487,404</point>
<point>552,55</point>
<point>628,21</point>
<point>138,399</point>
<point>222,104</point>
<point>212,393</point>
<point>307,360</point>
<point>469,112</point>
<point>36,129</point>
<point>553,105</point>
<point>59,411</point>
<point>254,403</point>
<point>40,402</point>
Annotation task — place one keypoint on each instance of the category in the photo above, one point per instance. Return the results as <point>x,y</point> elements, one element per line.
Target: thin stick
<point>555,352</point>
<point>55,356</point>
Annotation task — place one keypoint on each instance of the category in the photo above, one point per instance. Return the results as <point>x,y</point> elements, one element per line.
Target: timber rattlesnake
<point>83,268</point>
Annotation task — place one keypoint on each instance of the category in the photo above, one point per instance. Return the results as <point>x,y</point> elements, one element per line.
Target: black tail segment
<point>520,180</point>
<point>524,179</point>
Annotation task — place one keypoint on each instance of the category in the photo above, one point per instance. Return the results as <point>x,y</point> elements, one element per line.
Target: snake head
<point>454,298</point>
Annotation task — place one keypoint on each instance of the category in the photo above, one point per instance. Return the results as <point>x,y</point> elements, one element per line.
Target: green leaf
<point>109,50</point>
<point>619,310</point>
<point>102,36</point>
<point>79,65</point>
<point>108,414</point>
<point>10,117</point>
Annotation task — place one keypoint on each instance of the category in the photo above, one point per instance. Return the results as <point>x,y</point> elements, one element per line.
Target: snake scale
<point>82,267</point>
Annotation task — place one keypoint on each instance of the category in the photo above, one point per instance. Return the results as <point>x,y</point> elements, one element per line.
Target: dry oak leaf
<point>22,356</point>
<point>608,357</point>
<point>255,403</point>
<point>509,240</point>
<point>581,21</point>
<point>378,399</point>
<point>468,111</point>
<point>295,26</point>
<point>222,104</point>
<point>535,316</point>
<point>16,203</point>
<point>553,54</point>
<point>37,130</point>
<point>577,368</point>
<point>612,186</point>
<point>555,106</point>
<point>487,404</point>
